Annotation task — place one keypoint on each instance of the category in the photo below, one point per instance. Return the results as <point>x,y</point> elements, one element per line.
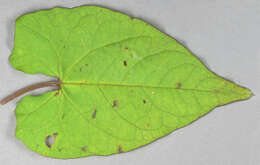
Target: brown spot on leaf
<point>148,124</point>
<point>144,101</point>
<point>62,117</point>
<point>115,103</point>
<point>125,63</point>
<point>216,91</point>
<point>179,85</point>
<point>57,93</point>
<point>80,69</point>
<point>125,49</point>
<point>119,149</point>
<point>64,46</point>
<point>95,106</point>
<point>94,114</point>
<point>84,148</point>
<point>55,134</point>
<point>59,149</point>
<point>86,65</point>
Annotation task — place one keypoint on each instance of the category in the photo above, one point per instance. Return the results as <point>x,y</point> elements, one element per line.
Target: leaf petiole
<point>30,88</point>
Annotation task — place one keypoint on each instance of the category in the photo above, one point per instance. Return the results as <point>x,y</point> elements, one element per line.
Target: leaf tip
<point>248,93</point>
<point>245,93</point>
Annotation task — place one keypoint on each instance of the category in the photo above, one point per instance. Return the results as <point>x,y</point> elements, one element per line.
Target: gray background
<point>223,33</point>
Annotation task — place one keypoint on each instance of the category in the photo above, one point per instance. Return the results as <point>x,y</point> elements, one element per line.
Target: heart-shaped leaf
<point>123,83</point>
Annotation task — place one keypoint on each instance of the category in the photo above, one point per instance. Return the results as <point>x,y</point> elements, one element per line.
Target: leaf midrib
<point>143,86</point>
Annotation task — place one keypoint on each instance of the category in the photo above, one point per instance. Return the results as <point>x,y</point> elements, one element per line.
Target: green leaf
<point>124,83</point>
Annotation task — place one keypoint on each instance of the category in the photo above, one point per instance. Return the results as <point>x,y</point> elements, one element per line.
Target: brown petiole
<point>30,88</point>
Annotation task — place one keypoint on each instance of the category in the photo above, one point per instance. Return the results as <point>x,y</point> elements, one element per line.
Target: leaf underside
<point>124,83</point>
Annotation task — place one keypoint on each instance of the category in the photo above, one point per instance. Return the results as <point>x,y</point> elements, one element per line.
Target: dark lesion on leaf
<point>179,85</point>
<point>115,103</point>
<point>125,63</point>
<point>84,148</point>
<point>144,101</point>
<point>64,46</point>
<point>86,65</point>
<point>131,91</point>
<point>57,93</point>
<point>216,91</point>
<point>119,149</point>
<point>94,114</point>
<point>59,149</point>
<point>125,49</point>
<point>62,117</point>
<point>80,69</point>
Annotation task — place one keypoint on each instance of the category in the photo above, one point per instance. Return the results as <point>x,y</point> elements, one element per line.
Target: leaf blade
<point>117,73</point>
